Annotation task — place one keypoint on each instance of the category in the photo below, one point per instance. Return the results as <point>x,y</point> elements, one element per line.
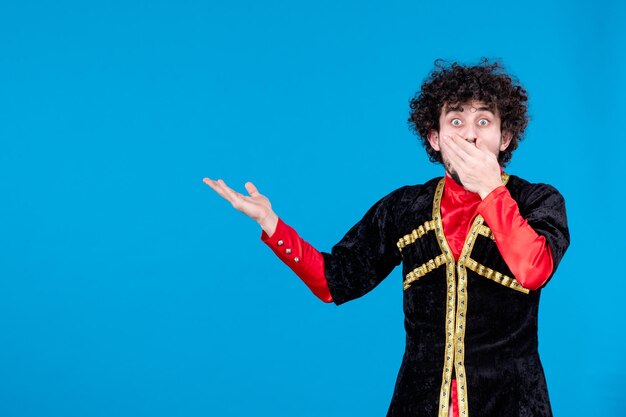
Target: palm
<point>254,205</point>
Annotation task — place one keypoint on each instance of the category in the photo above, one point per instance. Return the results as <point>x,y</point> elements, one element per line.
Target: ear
<point>506,140</point>
<point>433,139</point>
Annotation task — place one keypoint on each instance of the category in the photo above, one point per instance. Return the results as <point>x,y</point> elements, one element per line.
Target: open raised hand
<point>255,205</point>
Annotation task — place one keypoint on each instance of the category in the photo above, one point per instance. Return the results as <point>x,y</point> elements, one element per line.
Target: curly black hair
<point>454,84</point>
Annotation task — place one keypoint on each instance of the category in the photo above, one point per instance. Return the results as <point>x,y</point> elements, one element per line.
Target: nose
<point>470,134</point>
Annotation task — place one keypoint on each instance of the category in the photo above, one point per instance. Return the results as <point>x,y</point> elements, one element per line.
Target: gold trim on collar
<point>446,380</point>
<point>496,276</point>
<point>461,315</point>
<point>455,325</point>
<point>415,234</point>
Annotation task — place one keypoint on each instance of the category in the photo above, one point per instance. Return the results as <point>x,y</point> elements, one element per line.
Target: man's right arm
<point>303,259</point>
<point>357,264</point>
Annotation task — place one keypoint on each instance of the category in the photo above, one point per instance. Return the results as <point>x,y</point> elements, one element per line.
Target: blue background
<point>129,288</point>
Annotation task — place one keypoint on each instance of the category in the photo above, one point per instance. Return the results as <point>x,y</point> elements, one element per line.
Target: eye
<point>483,122</point>
<point>455,122</point>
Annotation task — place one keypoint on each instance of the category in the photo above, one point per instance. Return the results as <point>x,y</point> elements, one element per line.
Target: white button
<point>287,251</point>
<point>280,243</point>
<point>296,259</point>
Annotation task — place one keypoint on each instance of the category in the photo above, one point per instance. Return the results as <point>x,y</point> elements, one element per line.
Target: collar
<point>452,186</point>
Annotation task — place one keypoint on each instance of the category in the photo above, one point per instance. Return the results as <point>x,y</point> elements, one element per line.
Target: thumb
<point>252,190</point>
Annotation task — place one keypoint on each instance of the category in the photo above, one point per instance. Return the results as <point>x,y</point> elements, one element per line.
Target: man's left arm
<point>531,244</point>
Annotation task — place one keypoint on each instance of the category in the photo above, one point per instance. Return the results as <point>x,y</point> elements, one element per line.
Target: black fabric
<point>366,254</point>
<point>503,369</point>
<point>544,209</point>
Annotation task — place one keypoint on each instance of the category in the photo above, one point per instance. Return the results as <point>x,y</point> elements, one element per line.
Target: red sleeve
<point>301,257</point>
<point>526,253</point>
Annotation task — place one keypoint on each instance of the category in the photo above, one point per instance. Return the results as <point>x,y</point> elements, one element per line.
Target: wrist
<point>268,223</point>
<point>488,190</point>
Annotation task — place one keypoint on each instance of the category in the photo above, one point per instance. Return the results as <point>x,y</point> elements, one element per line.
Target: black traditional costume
<point>468,319</point>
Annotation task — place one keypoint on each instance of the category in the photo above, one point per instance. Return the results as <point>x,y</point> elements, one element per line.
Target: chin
<point>456,178</point>
<point>452,173</point>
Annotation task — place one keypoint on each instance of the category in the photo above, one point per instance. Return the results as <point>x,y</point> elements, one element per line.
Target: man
<point>476,247</point>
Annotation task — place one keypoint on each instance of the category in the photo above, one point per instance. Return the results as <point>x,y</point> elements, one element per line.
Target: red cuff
<point>301,257</point>
<point>526,253</point>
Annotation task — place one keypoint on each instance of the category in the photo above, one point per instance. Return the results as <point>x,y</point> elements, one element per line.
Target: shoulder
<point>405,207</point>
<point>407,196</point>
<point>529,194</point>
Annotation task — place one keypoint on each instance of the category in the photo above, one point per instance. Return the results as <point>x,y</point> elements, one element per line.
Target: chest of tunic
<point>465,315</point>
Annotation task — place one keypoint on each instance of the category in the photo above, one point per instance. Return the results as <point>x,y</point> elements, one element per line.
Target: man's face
<point>474,122</point>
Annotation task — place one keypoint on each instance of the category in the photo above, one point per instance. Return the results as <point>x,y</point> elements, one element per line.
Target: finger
<point>252,190</point>
<point>218,188</point>
<point>455,161</point>
<point>460,145</point>
<point>471,148</point>
<point>233,195</point>
<point>466,150</point>
<point>452,149</point>
<point>212,183</point>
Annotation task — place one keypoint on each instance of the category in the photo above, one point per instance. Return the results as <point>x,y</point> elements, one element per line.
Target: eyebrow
<point>460,109</point>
